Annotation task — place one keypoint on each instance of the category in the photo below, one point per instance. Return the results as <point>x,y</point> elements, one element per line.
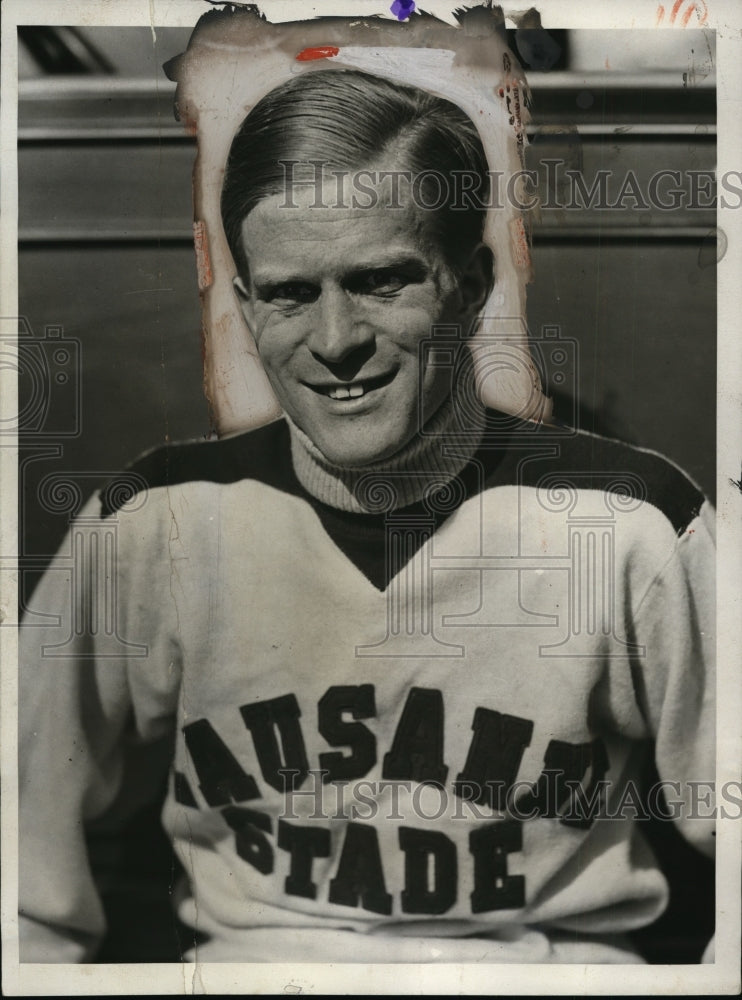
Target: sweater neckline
<point>435,456</point>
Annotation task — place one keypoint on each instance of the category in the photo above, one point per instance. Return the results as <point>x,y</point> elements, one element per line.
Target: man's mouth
<point>347,392</point>
<point>353,390</point>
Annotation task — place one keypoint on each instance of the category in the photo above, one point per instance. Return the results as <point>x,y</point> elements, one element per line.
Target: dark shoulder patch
<point>585,461</point>
<point>262,454</point>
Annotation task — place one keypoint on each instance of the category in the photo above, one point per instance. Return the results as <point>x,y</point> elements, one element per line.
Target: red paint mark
<point>319,52</point>
<point>519,244</point>
<point>203,261</point>
<point>190,125</point>
<point>695,8</point>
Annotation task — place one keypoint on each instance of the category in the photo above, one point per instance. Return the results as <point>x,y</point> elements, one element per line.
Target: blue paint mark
<point>402,9</point>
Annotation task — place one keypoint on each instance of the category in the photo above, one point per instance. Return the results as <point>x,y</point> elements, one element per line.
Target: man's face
<point>338,301</point>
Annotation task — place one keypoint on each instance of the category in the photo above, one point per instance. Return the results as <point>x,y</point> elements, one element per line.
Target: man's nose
<point>338,329</point>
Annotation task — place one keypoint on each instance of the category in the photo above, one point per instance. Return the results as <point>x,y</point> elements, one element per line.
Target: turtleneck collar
<point>428,462</point>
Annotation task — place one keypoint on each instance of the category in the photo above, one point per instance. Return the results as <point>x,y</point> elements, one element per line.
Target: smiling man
<point>411,652</point>
<point>340,303</point>
<point>345,269</point>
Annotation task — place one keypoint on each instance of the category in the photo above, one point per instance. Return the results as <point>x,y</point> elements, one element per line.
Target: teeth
<point>346,392</point>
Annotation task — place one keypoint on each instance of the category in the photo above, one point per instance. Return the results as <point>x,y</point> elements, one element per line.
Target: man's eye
<point>293,293</point>
<point>379,282</point>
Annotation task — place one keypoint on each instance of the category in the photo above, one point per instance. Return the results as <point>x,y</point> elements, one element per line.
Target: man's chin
<point>374,449</point>
<point>359,458</point>
<point>349,452</point>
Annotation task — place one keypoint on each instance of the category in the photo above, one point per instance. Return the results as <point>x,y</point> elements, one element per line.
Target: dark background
<point>110,335</point>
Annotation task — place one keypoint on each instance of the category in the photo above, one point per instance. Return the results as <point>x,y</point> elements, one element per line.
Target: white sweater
<point>403,736</point>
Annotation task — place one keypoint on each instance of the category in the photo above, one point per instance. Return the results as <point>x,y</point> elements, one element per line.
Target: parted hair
<point>351,120</point>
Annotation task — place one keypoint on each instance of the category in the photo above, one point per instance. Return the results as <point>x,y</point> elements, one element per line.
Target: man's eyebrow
<point>390,261</point>
<point>274,279</point>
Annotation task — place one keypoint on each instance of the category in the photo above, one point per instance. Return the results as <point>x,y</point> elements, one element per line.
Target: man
<point>411,650</point>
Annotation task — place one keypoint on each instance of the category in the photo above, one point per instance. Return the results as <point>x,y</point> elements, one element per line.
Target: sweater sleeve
<point>674,680</point>
<point>95,663</point>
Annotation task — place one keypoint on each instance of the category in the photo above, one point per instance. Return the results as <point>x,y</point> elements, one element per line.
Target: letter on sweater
<point>360,701</point>
<point>262,719</point>
<point>360,876</point>
<point>304,845</point>
<point>221,779</point>
<point>251,845</point>
<point>494,889</point>
<point>419,846</point>
<point>494,757</point>
<point>565,765</point>
<point>417,748</point>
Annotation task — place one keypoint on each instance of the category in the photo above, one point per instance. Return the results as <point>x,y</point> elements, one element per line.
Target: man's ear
<point>477,280</point>
<point>243,297</point>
